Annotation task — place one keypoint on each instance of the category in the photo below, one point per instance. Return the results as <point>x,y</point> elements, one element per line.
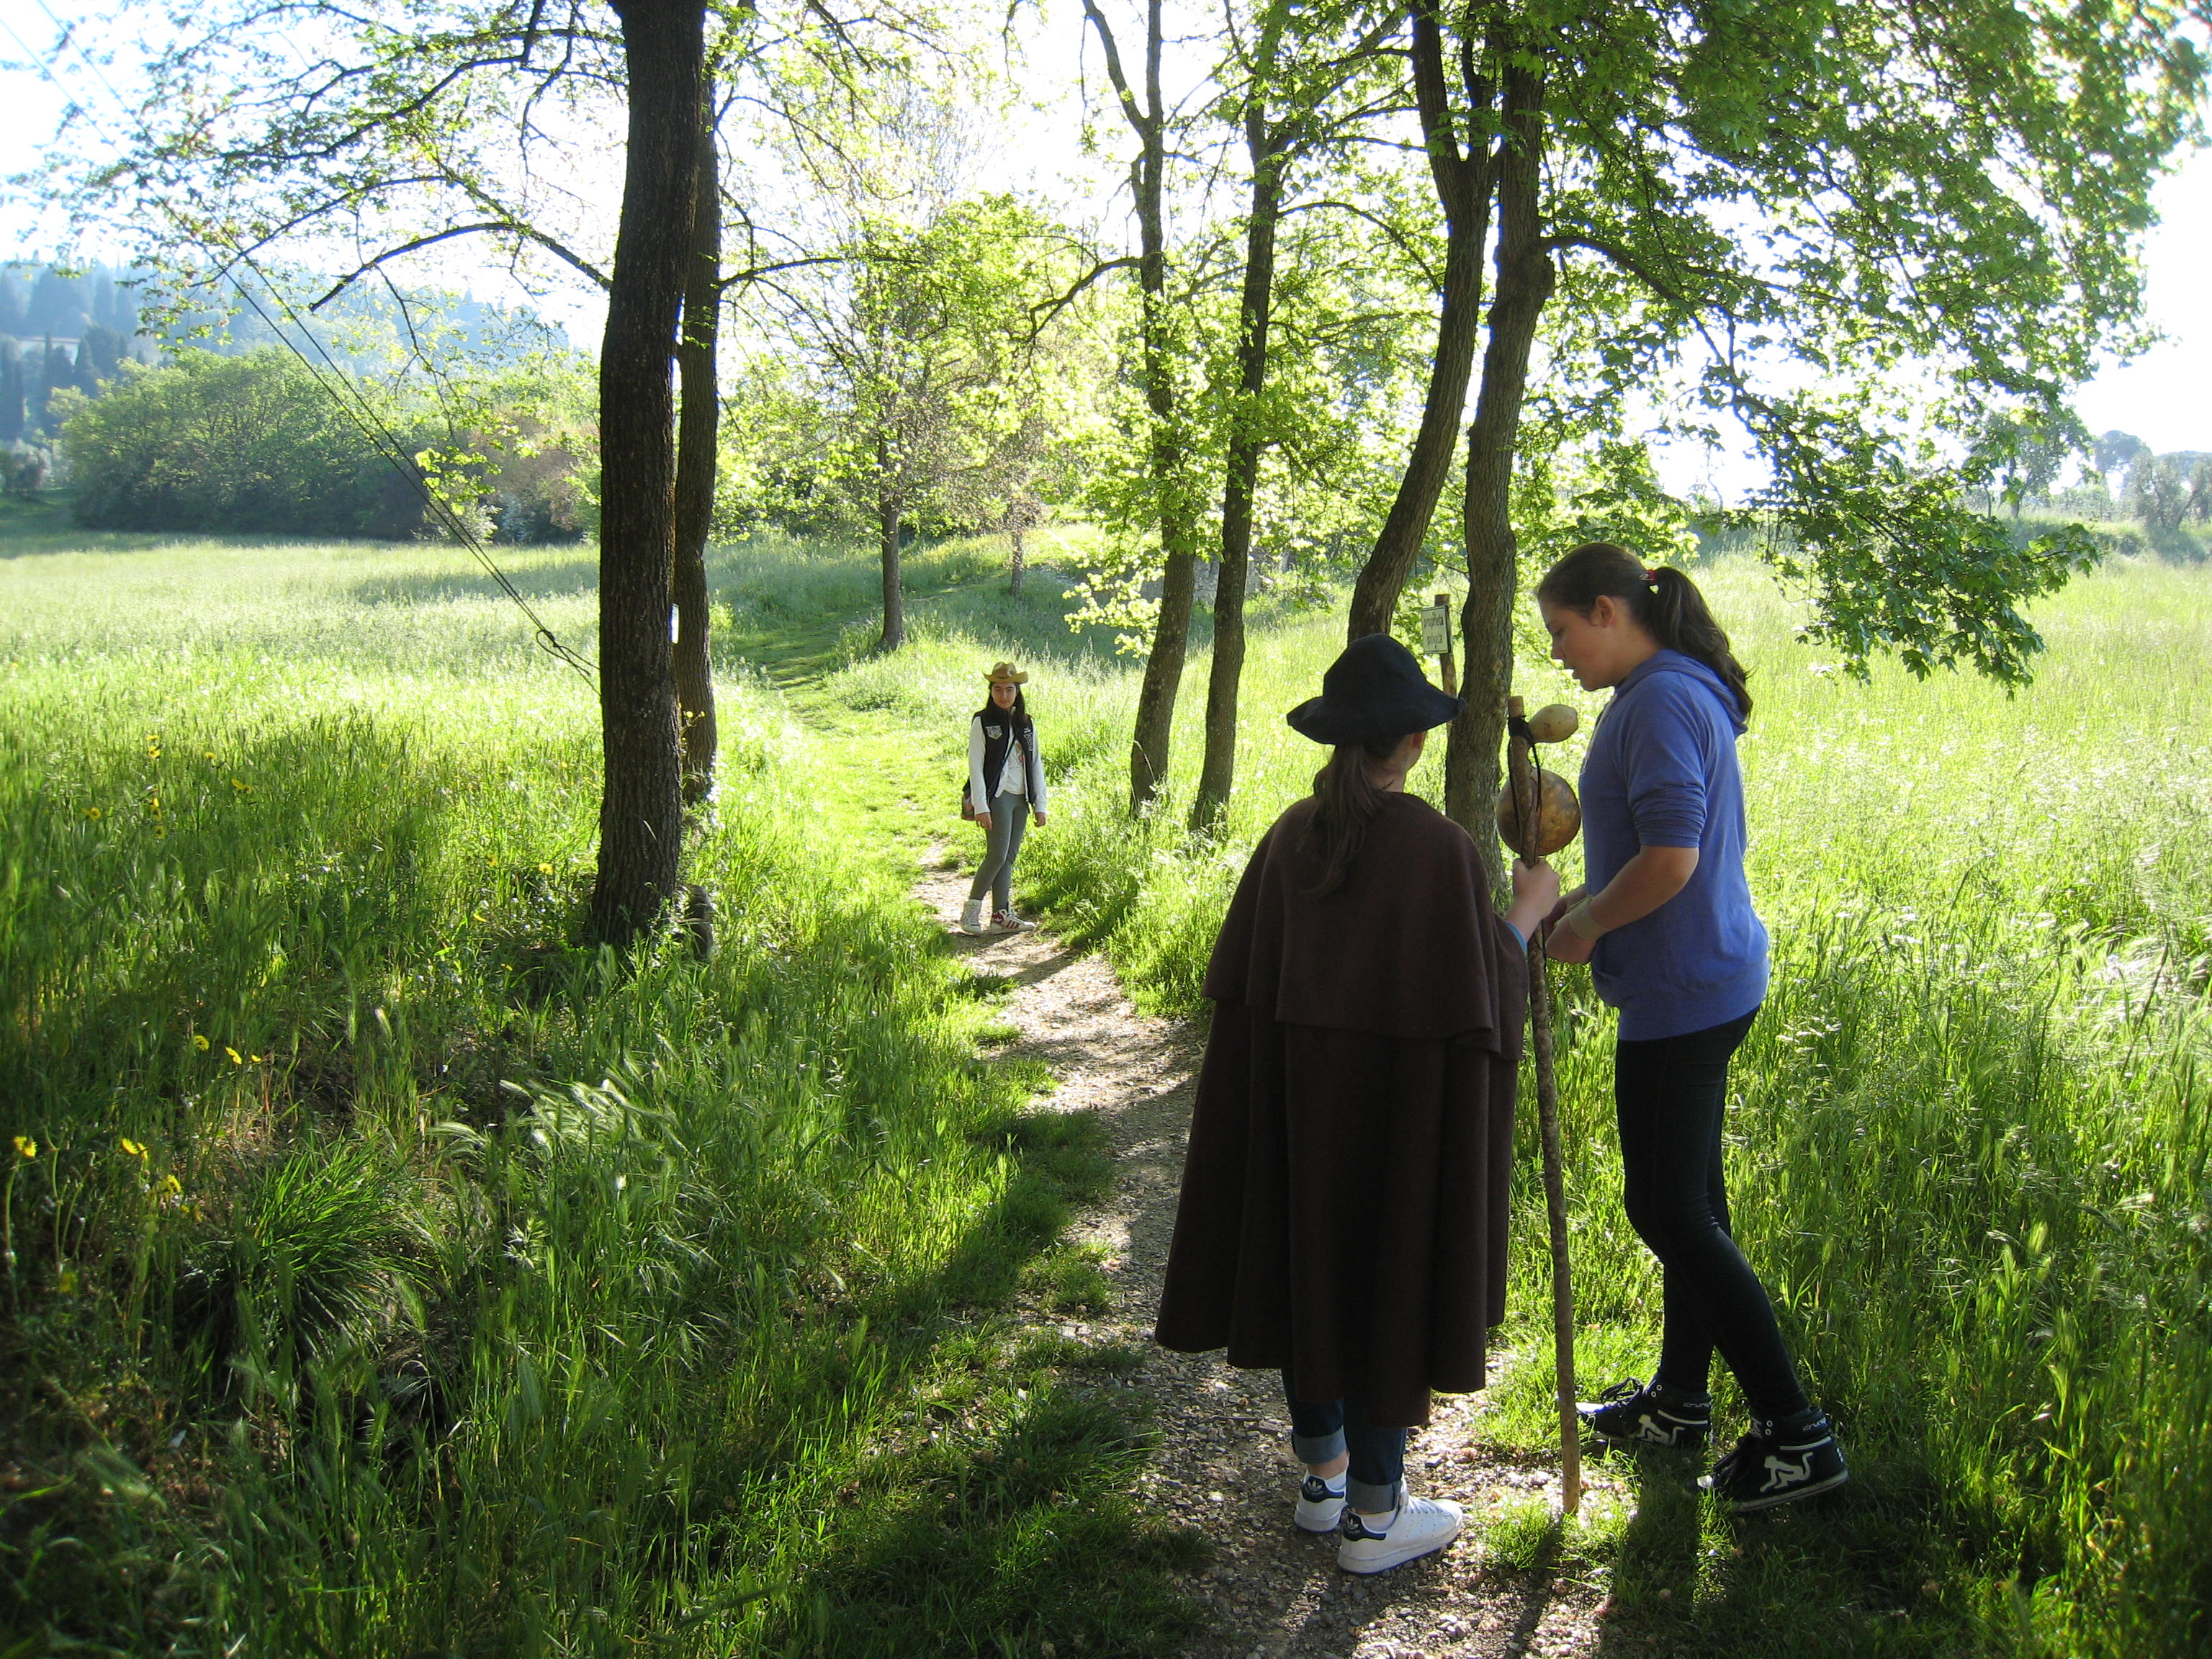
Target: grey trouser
<point>1010,817</point>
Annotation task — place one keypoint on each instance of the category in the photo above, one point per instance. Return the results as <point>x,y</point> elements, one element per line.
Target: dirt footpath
<point>1225,1465</point>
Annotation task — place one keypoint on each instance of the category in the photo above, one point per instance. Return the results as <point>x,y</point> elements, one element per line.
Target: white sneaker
<point>1013,923</point>
<point>1321,1507</point>
<point>1421,1526</point>
<point>971,916</point>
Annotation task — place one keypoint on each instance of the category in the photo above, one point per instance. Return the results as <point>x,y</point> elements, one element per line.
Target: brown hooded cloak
<point>1344,1198</point>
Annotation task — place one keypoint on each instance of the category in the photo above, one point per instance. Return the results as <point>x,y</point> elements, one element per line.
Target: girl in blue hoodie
<point>1665,921</point>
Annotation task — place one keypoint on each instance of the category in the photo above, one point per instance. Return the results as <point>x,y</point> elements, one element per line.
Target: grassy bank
<point>1973,1124</point>
<point>386,1275</point>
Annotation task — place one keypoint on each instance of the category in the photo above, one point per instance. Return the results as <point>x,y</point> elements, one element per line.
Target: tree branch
<point>1137,119</point>
<point>755,273</point>
<point>496,227</point>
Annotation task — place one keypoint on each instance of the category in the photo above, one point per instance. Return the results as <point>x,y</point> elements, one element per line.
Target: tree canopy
<point>251,443</point>
<point>1885,245</point>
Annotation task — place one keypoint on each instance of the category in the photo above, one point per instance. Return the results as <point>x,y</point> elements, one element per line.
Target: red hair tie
<point>1650,577</point>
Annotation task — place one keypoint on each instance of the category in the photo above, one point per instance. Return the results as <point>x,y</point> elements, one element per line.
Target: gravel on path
<point>1224,1466</point>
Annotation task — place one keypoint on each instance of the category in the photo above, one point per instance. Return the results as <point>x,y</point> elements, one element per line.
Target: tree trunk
<point>1463,189</point>
<point>1014,573</point>
<point>641,810</point>
<point>889,511</point>
<point>1525,278</point>
<point>1156,697</point>
<point>696,433</point>
<point>1217,776</point>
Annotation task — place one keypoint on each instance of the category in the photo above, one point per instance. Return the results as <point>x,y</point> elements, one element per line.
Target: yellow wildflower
<point>130,1147</point>
<point>199,1042</point>
<point>92,813</point>
<point>236,1059</point>
<point>26,1146</point>
<point>545,869</point>
<point>239,784</point>
<point>172,1186</point>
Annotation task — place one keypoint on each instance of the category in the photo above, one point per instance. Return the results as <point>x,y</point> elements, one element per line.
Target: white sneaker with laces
<point>1013,923</point>
<point>1421,1526</point>
<point>971,916</point>
<point>1321,1505</point>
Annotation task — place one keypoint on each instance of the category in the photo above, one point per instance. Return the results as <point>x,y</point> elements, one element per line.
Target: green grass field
<point>1973,1123</point>
<point>386,1275</point>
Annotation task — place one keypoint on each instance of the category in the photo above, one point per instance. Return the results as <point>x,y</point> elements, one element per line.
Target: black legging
<point>1672,1094</point>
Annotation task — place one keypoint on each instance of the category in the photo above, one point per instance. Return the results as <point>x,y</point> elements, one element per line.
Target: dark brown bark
<point>1463,183</point>
<point>1155,696</point>
<point>1218,774</point>
<point>1023,513</point>
<point>1525,279</point>
<point>697,430</point>
<point>889,513</point>
<point>641,810</point>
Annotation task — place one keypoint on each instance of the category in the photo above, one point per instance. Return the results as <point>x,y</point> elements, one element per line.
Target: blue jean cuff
<point>1371,1499</point>
<point>1318,1448</point>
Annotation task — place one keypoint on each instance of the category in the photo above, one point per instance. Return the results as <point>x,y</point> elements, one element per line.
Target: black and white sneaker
<point>1775,1464</point>
<point>1419,1526</point>
<point>1640,1413</point>
<point>1321,1505</point>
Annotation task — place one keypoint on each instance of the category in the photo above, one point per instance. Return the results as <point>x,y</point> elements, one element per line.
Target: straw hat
<point>1008,672</point>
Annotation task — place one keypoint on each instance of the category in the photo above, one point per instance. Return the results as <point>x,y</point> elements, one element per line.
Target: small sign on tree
<point>1435,627</point>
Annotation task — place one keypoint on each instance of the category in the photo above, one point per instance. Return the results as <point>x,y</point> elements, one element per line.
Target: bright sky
<point>2164,397</point>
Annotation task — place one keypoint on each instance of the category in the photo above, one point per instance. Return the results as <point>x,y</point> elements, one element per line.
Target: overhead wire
<point>332,379</point>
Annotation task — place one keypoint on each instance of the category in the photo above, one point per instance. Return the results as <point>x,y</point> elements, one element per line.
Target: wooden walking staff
<point>1537,815</point>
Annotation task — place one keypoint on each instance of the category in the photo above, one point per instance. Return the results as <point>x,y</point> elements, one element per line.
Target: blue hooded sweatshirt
<point>1661,772</point>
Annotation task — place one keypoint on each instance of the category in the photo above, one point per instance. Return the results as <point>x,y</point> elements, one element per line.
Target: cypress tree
<point>54,368</point>
<point>11,392</point>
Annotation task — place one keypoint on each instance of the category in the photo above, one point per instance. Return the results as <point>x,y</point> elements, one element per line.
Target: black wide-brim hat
<point>1375,690</point>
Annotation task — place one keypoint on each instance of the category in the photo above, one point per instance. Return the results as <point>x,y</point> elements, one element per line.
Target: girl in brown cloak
<point>1344,1197</point>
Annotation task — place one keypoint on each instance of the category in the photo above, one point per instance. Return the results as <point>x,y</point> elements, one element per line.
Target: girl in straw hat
<point>1005,788</point>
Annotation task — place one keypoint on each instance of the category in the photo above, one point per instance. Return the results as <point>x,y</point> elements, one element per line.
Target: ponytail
<point>1348,803</point>
<point>1663,601</point>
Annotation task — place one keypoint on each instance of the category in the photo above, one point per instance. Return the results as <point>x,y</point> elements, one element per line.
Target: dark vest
<point>1001,727</point>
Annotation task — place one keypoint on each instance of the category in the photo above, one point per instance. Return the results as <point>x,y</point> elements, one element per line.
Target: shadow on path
<point>1222,1465</point>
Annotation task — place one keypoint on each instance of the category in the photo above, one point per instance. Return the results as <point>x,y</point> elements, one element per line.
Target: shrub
<point>250,443</point>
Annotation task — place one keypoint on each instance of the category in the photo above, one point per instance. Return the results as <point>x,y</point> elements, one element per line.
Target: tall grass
<point>386,1275</point>
<point>498,1295</point>
<point>1973,1125</point>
